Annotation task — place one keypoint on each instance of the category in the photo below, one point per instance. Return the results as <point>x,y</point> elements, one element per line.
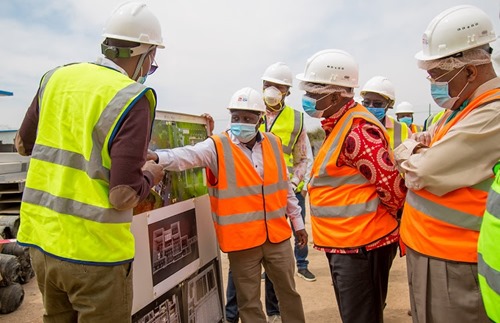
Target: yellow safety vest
<point>66,210</point>
<point>287,125</point>
<point>488,260</point>
<point>398,133</point>
<point>432,119</point>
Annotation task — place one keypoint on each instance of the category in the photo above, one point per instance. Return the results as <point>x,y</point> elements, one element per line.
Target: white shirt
<point>204,154</point>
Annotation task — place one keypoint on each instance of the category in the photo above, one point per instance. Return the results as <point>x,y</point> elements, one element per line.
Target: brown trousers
<point>83,293</point>
<point>279,263</point>
<point>443,291</point>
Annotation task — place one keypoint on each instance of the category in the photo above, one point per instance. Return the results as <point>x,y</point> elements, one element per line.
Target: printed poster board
<point>177,269</point>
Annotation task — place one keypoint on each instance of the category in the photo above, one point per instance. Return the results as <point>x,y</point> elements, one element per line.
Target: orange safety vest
<point>345,208</point>
<point>447,226</point>
<point>414,128</point>
<point>246,209</point>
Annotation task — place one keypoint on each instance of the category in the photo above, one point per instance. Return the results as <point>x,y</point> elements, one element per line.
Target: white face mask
<point>273,97</point>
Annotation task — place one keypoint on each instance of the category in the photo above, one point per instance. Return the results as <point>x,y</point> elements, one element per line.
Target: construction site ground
<point>318,297</point>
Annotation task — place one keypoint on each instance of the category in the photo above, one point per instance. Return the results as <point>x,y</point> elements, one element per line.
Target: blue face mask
<point>441,95</point>
<point>407,120</point>
<point>440,92</point>
<point>244,131</point>
<point>309,106</point>
<point>379,113</point>
<point>142,79</point>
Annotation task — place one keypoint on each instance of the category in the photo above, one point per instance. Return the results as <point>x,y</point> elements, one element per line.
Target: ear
<point>287,93</point>
<point>472,73</point>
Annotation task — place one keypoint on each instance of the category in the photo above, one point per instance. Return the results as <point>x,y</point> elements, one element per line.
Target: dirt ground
<point>318,297</point>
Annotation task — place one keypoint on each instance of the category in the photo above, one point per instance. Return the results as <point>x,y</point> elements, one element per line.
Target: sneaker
<point>306,275</point>
<point>274,319</point>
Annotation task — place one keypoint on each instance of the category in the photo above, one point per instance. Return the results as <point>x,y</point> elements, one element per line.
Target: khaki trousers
<point>443,291</point>
<point>279,263</point>
<point>83,293</point>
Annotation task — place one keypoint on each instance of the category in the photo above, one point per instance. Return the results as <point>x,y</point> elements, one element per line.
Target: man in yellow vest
<point>404,114</point>
<point>448,172</point>
<point>355,189</point>
<point>251,197</point>
<point>379,96</point>
<point>489,251</point>
<point>84,179</point>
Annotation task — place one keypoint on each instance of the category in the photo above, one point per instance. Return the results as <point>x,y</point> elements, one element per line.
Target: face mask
<point>441,94</point>
<point>407,120</point>
<point>273,97</point>
<point>309,106</point>
<point>142,79</point>
<point>244,131</point>
<point>379,113</point>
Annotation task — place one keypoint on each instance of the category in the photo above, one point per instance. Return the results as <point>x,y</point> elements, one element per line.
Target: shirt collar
<point>103,61</point>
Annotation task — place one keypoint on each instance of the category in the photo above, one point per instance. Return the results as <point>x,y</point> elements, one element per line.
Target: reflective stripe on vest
<point>398,133</point>
<point>447,227</point>
<point>345,210</point>
<point>489,253</point>
<point>287,125</point>
<point>67,187</point>
<point>432,119</point>
<point>246,209</point>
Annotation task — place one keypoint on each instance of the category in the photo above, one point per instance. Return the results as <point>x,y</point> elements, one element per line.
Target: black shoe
<point>306,275</point>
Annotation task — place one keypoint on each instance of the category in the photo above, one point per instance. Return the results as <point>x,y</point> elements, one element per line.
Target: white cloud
<point>217,47</point>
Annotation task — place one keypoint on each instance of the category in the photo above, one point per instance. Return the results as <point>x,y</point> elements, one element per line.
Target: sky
<point>214,48</point>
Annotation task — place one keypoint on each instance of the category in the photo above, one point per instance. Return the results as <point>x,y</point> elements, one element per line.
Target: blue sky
<point>214,48</point>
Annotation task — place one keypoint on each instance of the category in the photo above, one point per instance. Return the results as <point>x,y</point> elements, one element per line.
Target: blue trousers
<point>301,253</point>
<point>272,307</point>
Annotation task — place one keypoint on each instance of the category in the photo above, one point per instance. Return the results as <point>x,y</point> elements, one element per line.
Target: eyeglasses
<point>374,103</point>
<point>153,67</point>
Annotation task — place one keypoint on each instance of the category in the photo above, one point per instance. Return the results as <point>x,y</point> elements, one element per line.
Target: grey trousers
<point>443,291</point>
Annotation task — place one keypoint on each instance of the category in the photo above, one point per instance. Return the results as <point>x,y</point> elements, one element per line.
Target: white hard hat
<point>247,99</point>
<point>331,66</point>
<point>380,85</point>
<point>134,21</point>
<point>455,30</point>
<point>404,107</point>
<point>278,73</point>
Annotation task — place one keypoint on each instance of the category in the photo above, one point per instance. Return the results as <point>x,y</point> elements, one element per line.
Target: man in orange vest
<point>250,197</point>
<point>448,170</point>
<point>355,189</point>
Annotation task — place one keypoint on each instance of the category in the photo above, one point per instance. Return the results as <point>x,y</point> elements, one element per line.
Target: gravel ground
<point>318,297</point>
